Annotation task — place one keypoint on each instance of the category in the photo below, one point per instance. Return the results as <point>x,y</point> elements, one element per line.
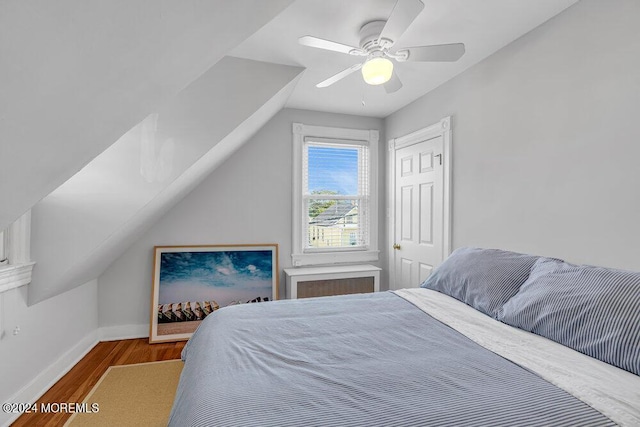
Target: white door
<point>421,235</point>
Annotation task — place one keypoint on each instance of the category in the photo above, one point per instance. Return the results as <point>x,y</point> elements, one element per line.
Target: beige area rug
<point>132,395</point>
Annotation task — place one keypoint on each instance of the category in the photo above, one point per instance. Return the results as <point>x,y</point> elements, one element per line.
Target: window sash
<point>340,233</point>
<point>341,229</point>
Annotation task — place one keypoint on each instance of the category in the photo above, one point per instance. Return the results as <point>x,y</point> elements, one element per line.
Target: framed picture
<point>191,282</point>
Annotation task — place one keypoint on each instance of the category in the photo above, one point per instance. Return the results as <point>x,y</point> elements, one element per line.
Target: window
<point>3,258</point>
<point>335,198</point>
<point>15,264</point>
<point>335,195</point>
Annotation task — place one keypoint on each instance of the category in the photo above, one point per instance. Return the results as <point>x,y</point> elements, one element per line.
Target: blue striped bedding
<point>485,279</point>
<point>593,310</point>
<point>356,360</point>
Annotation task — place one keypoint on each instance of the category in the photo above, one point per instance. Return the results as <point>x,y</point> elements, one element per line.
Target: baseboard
<point>47,378</point>
<point>124,332</point>
<point>43,382</point>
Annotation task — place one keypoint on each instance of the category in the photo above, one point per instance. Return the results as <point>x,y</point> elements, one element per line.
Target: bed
<point>444,354</point>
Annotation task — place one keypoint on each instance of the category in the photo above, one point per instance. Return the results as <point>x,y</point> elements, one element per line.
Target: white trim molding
<point>14,276</point>
<point>368,137</point>
<point>124,332</point>
<point>17,248</point>
<point>39,385</point>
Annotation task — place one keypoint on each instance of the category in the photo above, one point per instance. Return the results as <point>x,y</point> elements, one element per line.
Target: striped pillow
<point>593,310</point>
<point>483,278</point>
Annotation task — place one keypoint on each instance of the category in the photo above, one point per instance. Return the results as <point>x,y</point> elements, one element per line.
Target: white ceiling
<point>483,26</point>
<point>76,75</point>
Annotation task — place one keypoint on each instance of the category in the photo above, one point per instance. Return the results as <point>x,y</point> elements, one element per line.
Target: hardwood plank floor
<point>77,383</point>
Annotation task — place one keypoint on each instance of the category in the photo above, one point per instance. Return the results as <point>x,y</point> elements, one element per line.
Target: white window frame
<point>3,259</point>
<point>16,241</point>
<point>301,132</point>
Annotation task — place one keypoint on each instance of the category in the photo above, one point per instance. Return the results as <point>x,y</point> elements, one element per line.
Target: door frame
<point>443,129</point>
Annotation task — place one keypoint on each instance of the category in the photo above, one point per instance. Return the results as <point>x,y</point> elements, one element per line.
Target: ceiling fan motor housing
<point>373,46</point>
<point>369,34</point>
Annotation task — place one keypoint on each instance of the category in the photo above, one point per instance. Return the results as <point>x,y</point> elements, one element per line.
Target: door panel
<point>407,166</point>
<point>425,271</point>
<point>406,216</point>
<point>426,162</point>
<point>406,270</point>
<point>426,214</point>
<point>419,215</point>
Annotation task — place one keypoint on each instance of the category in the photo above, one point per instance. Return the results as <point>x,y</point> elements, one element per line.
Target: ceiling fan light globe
<point>377,71</point>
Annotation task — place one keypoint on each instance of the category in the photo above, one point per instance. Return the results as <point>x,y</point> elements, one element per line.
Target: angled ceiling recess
<point>76,75</point>
<point>93,217</point>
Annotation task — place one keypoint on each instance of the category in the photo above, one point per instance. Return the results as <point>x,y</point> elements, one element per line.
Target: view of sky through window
<point>333,169</point>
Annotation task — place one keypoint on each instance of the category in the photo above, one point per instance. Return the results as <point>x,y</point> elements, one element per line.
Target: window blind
<point>335,195</point>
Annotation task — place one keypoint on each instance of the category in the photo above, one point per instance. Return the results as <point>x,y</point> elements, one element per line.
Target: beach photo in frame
<point>191,282</point>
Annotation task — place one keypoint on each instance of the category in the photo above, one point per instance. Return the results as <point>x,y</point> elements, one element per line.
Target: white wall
<point>53,336</point>
<point>545,139</point>
<point>101,210</point>
<point>75,77</point>
<point>245,200</point>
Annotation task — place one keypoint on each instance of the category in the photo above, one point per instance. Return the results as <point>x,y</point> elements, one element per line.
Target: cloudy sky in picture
<point>221,276</point>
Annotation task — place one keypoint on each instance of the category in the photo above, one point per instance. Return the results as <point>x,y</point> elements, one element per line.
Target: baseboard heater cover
<point>331,280</point>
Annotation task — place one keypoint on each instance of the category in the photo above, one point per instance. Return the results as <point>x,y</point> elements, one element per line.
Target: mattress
<point>380,359</point>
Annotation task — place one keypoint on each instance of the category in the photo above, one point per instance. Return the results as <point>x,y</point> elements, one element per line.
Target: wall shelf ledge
<point>14,276</point>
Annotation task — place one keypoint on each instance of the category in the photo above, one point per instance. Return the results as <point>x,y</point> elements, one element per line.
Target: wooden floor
<point>77,383</point>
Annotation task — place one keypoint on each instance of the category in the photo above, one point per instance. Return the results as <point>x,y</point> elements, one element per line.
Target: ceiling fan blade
<point>403,14</point>
<point>341,75</point>
<point>329,45</point>
<point>436,53</point>
<point>394,84</point>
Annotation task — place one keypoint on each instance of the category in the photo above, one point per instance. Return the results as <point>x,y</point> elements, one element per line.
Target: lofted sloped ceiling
<point>76,75</point>
<point>85,224</point>
<point>484,26</point>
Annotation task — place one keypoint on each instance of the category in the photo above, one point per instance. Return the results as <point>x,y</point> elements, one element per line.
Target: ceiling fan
<point>376,40</point>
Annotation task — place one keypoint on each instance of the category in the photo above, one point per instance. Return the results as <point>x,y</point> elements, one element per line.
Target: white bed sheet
<point>612,391</point>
